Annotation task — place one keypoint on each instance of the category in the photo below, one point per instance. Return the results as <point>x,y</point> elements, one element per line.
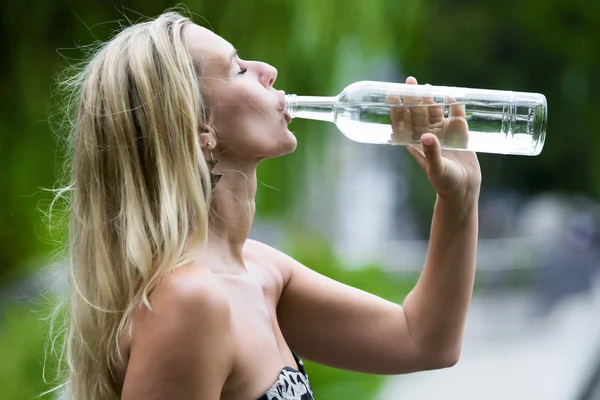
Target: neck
<point>232,213</point>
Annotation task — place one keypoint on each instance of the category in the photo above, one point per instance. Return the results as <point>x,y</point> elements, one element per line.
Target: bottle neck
<point>319,108</point>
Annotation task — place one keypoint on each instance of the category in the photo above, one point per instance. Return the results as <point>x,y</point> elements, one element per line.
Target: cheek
<point>243,112</point>
<point>255,105</point>
<point>241,106</point>
<point>255,138</point>
<point>247,121</point>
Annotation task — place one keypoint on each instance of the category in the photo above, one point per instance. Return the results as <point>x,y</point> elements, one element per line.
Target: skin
<point>222,327</point>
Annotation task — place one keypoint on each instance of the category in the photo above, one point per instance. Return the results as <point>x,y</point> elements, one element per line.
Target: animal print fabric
<point>292,384</point>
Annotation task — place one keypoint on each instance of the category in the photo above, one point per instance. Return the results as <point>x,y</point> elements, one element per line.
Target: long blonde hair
<point>139,190</point>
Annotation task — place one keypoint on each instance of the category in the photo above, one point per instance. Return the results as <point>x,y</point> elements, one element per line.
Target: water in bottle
<point>490,121</point>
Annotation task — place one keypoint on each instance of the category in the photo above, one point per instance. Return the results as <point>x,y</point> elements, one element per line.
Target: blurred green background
<point>546,46</point>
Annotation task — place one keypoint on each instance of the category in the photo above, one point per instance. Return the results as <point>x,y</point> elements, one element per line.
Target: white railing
<point>493,255</point>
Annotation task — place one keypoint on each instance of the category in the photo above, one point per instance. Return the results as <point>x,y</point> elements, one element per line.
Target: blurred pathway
<point>509,353</point>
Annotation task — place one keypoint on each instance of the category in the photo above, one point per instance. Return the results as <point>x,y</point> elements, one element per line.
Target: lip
<point>281,98</point>
<point>287,116</point>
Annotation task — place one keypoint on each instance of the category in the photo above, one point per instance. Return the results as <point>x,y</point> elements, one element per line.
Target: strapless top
<point>292,384</point>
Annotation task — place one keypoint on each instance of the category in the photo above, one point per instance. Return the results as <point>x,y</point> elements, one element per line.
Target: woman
<point>170,300</point>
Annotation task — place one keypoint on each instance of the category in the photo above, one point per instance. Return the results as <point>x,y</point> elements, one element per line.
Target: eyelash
<point>243,71</point>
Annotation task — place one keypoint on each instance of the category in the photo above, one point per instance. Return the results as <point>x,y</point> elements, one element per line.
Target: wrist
<point>459,206</point>
<point>466,196</point>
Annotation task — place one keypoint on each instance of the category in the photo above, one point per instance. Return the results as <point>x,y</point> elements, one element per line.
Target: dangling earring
<point>214,178</point>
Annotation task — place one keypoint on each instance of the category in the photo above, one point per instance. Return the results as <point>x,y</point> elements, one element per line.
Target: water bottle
<point>488,121</point>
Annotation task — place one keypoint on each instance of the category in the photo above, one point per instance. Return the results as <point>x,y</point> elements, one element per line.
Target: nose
<point>268,75</point>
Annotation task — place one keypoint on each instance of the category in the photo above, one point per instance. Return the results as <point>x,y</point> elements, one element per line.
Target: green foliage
<point>299,38</point>
<point>547,46</point>
<point>24,331</point>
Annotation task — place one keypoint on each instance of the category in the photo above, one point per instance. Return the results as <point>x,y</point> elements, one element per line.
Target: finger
<point>458,109</point>
<point>436,113</point>
<point>433,154</point>
<point>397,115</point>
<point>457,134</point>
<point>410,100</point>
<point>427,99</point>
<point>457,129</point>
<point>419,157</point>
<point>418,113</point>
<point>407,128</point>
<point>396,112</point>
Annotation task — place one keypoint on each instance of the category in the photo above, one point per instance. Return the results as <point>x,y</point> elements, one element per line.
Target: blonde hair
<point>139,190</point>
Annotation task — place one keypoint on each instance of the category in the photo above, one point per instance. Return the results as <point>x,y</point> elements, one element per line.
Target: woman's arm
<point>340,326</point>
<point>436,309</point>
<point>337,325</point>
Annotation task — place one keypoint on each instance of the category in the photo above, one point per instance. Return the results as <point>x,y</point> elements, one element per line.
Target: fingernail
<point>428,141</point>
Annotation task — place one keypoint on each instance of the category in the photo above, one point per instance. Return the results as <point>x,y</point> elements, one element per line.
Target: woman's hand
<point>454,174</point>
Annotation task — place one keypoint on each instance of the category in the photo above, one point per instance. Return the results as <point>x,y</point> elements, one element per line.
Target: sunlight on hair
<point>135,194</point>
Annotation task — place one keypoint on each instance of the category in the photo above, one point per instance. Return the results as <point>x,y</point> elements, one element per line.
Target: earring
<point>214,178</point>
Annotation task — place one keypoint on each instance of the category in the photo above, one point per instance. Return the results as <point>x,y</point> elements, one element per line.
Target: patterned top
<point>292,384</point>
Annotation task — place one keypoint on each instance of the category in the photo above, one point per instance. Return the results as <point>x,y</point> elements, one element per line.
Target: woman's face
<point>247,112</point>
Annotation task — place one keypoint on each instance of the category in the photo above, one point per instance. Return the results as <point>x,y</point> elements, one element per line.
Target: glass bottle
<point>488,121</point>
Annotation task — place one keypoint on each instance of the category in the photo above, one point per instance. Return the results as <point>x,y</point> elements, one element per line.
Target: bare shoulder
<point>264,250</point>
<point>184,339</point>
<point>269,256</point>
<point>188,296</point>
<point>192,288</point>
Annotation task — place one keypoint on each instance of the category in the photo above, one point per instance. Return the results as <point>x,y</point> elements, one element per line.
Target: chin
<point>285,145</point>
<point>290,143</point>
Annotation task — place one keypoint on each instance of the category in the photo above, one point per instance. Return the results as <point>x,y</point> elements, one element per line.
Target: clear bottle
<point>488,121</point>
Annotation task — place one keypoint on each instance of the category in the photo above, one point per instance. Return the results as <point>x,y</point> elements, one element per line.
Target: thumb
<point>433,153</point>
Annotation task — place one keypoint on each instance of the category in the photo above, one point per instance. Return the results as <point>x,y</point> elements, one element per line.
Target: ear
<point>207,137</point>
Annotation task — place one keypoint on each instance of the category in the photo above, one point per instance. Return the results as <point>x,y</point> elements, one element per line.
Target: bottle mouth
<point>290,105</point>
